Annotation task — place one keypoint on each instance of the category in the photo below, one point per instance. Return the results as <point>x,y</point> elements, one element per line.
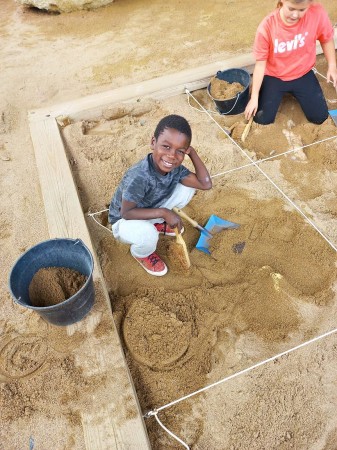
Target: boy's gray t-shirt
<point>145,186</point>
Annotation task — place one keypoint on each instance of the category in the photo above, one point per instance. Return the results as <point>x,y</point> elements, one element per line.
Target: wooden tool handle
<point>246,130</point>
<point>183,215</point>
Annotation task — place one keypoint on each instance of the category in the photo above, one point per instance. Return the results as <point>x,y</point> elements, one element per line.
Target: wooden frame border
<point>65,216</point>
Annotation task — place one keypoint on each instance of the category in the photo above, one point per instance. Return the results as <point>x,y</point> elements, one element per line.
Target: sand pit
<point>267,286</point>
<point>58,385</point>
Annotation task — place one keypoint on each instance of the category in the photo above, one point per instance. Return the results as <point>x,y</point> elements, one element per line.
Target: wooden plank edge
<point>195,78</point>
<point>65,219</point>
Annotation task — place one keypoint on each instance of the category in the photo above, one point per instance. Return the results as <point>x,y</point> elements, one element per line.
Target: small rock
<point>4,158</point>
<point>288,436</point>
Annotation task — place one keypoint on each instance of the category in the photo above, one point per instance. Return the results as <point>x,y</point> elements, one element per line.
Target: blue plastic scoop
<point>333,115</point>
<point>213,226</point>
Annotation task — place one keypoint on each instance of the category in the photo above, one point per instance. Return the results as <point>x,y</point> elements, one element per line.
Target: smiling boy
<point>141,207</point>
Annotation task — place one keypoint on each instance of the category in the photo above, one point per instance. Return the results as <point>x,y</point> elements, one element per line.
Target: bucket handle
<point>237,98</point>
<point>17,302</point>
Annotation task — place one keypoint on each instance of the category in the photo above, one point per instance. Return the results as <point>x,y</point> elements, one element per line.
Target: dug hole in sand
<point>267,286</point>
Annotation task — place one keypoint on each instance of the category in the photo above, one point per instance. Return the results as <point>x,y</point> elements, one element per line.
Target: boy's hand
<point>201,178</point>
<point>173,219</point>
<point>189,150</point>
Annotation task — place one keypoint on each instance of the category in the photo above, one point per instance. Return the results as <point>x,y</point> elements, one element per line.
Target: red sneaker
<point>165,229</point>
<point>153,265</point>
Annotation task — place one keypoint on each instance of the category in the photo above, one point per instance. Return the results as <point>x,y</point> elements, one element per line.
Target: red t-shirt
<point>290,51</point>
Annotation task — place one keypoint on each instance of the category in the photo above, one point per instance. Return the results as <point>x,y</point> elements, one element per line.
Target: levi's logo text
<point>288,46</point>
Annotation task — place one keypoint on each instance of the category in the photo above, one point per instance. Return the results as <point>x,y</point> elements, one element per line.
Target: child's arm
<point>330,55</point>
<point>129,211</point>
<point>258,75</point>
<point>201,178</point>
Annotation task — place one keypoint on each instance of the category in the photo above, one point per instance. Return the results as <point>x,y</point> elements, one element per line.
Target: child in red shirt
<point>285,53</point>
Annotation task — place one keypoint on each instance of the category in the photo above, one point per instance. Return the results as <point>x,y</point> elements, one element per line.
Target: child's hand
<point>190,150</point>
<point>251,108</point>
<point>201,178</point>
<point>173,219</point>
<point>331,76</point>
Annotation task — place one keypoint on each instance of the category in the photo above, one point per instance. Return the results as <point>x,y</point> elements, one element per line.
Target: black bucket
<point>237,104</point>
<point>68,253</point>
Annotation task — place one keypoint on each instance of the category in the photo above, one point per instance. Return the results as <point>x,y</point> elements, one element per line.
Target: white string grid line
<point>254,163</point>
<point>155,411</point>
<point>296,149</point>
<point>92,215</point>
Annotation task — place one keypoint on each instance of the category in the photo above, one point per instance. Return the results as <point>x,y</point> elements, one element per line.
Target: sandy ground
<point>268,286</point>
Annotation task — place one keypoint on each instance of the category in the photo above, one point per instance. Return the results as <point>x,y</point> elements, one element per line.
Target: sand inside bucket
<point>53,285</point>
<point>221,89</point>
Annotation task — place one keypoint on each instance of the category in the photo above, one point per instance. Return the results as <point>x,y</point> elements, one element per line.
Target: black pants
<point>306,90</point>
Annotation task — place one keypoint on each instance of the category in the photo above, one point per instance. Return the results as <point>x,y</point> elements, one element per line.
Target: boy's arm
<point>201,178</point>
<point>129,211</point>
